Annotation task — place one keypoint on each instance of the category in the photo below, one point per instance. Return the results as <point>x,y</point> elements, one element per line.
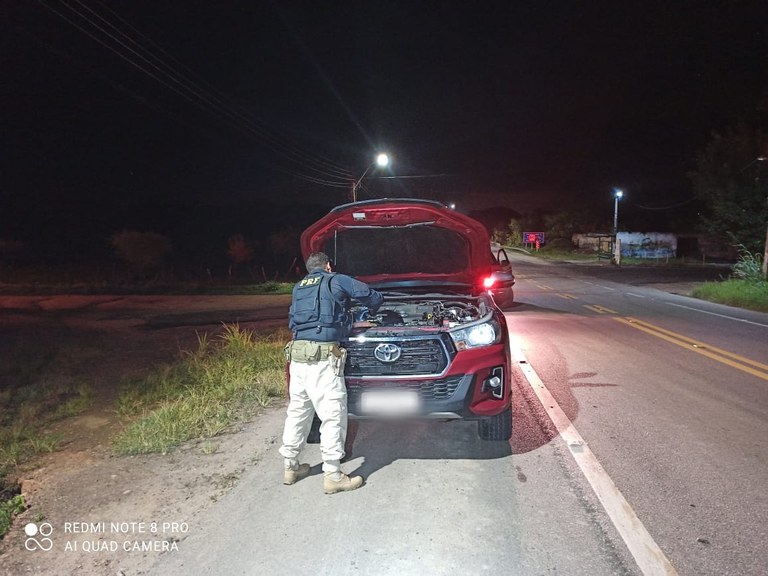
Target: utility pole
<point>617,194</point>
<point>765,256</point>
<point>381,161</point>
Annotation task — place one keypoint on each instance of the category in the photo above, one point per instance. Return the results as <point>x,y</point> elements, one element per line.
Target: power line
<point>142,58</point>
<point>668,207</point>
<point>225,107</point>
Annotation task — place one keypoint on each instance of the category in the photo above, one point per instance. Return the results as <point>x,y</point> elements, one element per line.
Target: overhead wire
<point>668,207</point>
<point>303,155</point>
<point>326,172</point>
<point>88,68</point>
<point>222,106</point>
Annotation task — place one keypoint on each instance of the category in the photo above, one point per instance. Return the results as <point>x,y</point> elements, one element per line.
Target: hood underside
<point>392,240</point>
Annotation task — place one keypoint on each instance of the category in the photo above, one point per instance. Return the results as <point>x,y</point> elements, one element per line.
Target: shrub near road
<point>739,293</point>
<point>226,380</point>
<point>747,289</point>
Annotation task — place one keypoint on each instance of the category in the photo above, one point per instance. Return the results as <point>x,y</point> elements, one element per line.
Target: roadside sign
<point>536,238</point>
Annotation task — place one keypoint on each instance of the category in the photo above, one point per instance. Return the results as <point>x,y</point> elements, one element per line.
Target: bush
<point>749,266</point>
<point>223,382</point>
<point>144,251</point>
<point>9,509</point>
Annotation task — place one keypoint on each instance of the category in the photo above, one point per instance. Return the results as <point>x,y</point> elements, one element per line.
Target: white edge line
<point>649,557</point>
<point>720,315</point>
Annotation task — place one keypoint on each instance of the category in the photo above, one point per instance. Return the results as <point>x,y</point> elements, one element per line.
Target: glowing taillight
<point>488,282</point>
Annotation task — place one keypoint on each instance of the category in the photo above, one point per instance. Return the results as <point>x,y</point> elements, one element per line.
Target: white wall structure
<point>648,244</point>
<point>651,245</point>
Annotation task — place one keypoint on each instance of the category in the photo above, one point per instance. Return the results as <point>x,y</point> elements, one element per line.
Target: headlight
<point>476,336</point>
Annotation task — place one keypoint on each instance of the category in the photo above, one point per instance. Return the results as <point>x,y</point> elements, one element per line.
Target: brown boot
<point>340,482</point>
<point>293,475</point>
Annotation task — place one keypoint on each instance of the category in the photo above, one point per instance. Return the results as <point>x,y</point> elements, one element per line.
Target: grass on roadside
<point>556,253</point>
<point>8,509</point>
<point>225,381</point>
<point>746,289</point>
<point>268,288</point>
<point>49,282</point>
<point>740,293</point>
<point>38,386</point>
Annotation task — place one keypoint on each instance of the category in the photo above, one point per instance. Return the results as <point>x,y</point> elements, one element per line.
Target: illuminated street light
<point>615,244</point>
<point>382,161</point>
<point>617,194</point>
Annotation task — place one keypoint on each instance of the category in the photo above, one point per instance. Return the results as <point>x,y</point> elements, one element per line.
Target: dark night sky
<point>521,104</point>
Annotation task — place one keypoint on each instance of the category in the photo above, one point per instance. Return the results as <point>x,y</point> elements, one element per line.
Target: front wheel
<point>496,428</point>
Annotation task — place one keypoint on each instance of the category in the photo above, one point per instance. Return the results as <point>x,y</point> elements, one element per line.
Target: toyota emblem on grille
<point>387,352</point>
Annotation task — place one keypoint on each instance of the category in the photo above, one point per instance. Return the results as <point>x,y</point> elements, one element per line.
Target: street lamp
<point>615,245</point>
<point>617,194</point>
<point>765,248</point>
<point>382,160</point>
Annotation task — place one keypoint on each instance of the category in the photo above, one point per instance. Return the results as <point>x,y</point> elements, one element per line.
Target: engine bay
<point>422,313</point>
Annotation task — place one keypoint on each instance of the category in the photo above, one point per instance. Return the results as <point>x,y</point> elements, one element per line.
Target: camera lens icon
<point>31,530</point>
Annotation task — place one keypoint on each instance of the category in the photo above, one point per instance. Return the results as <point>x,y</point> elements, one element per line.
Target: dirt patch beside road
<point>84,482</point>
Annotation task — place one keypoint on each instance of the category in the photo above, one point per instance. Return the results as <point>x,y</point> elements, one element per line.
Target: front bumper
<point>469,396</point>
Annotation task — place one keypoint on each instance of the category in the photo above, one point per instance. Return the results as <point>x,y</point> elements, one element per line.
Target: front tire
<point>496,428</point>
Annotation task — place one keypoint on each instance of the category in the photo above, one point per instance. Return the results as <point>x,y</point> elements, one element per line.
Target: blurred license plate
<point>389,401</point>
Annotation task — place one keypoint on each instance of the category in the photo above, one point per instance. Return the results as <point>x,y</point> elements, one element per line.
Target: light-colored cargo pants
<point>317,387</point>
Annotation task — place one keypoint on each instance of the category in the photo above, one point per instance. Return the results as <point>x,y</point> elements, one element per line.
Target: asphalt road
<point>639,444</point>
<point>670,395</point>
<point>645,455</point>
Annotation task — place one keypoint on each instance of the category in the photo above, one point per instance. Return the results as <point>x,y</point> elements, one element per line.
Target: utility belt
<point>311,351</point>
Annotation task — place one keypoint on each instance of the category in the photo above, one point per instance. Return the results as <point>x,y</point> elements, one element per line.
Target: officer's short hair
<point>316,261</point>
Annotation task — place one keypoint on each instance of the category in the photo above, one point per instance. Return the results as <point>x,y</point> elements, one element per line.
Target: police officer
<point>319,321</point>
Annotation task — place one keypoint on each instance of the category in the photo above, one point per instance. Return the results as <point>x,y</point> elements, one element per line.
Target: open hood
<point>402,242</point>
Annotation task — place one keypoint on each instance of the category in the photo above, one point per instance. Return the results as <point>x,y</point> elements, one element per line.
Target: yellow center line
<point>600,309</point>
<point>604,309</point>
<point>723,356</point>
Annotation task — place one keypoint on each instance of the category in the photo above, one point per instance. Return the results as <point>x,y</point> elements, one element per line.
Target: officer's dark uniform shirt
<point>318,309</point>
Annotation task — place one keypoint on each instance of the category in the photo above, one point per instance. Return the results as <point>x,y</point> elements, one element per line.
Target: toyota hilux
<point>438,345</point>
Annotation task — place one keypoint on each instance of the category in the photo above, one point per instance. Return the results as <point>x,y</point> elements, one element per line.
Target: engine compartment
<point>426,312</point>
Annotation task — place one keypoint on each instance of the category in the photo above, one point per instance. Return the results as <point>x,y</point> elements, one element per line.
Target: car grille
<point>421,356</point>
<point>427,389</point>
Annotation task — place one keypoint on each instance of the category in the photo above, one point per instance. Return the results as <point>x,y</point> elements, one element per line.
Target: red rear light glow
<point>488,282</point>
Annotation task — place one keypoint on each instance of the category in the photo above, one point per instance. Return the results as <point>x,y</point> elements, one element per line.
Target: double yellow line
<point>723,356</point>
<point>599,309</point>
<point>734,360</point>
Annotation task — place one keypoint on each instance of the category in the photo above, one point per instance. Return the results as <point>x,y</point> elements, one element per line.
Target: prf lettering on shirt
<point>310,281</point>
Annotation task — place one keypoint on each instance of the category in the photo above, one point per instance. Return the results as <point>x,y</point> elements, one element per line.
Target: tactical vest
<point>316,314</point>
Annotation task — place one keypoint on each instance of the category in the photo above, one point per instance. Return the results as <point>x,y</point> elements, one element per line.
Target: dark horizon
<point>142,115</point>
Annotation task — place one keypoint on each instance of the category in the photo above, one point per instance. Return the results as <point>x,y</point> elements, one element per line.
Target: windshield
<point>368,251</point>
